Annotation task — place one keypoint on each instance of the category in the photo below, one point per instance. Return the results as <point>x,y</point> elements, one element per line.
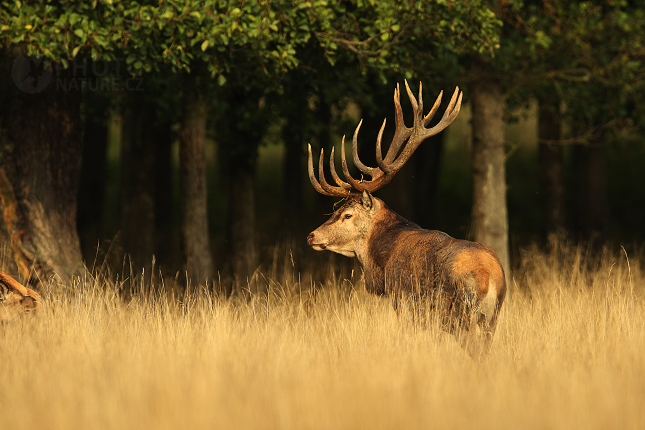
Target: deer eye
<point>348,216</point>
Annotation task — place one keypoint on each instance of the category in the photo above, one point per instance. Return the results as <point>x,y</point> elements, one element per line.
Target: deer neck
<point>384,235</point>
<point>381,239</point>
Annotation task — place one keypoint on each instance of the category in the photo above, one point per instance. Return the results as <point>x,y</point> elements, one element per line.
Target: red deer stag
<point>15,299</point>
<point>399,258</point>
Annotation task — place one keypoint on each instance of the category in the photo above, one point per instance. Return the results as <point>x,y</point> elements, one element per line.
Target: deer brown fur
<point>402,260</point>
<point>16,299</point>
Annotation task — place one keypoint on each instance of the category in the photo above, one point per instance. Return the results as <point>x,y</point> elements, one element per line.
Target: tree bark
<point>166,231</point>
<point>590,189</point>
<point>489,212</point>
<point>137,185</point>
<point>39,161</point>
<point>243,249</point>
<point>240,134</point>
<point>401,193</point>
<point>91,189</point>
<point>194,191</point>
<point>426,179</point>
<point>550,165</point>
<point>294,137</point>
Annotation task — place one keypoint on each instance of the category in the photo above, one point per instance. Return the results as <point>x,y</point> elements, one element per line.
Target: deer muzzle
<point>311,242</point>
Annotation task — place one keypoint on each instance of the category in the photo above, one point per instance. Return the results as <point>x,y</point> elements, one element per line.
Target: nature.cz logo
<point>34,74</point>
<point>30,74</point>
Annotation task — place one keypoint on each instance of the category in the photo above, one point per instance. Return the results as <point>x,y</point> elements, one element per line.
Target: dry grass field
<point>569,353</point>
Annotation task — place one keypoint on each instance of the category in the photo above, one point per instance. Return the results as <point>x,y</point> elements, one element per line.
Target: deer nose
<point>310,239</point>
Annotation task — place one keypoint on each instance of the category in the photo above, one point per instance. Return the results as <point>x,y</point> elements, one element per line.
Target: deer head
<point>345,232</point>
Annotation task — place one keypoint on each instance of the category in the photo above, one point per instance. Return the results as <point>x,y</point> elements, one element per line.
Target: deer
<point>399,259</point>
<point>16,299</point>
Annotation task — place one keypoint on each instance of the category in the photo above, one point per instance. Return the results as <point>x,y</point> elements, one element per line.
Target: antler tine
<point>435,107</point>
<point>335,191</point>
<point>413,143</point>
<point>379,152</point>
<point>455,105</point>
<point>354,183</point>
<point>420,99</point>
<point>398,119</point>
<point>357,162</point>
<point>332,167</point>
<point>325,188</point>
<point>413,100</point>
<point>312,176</point>
<point>401,132</point>
<point>449,115</point>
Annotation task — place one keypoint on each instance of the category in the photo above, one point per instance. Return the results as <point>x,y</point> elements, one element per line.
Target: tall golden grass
<point>569,352</point>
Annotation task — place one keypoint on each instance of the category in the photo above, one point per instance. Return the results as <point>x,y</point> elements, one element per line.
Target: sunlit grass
<point>569,352</point>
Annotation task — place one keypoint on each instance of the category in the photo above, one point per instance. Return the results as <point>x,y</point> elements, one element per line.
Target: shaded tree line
<point>242,74</point>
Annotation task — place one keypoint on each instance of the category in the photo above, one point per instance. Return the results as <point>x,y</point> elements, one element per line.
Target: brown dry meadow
<point>569,353</point>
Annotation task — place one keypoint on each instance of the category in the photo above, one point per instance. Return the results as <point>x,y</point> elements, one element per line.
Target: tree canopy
<point>227,36</point>
<point>238,56</point>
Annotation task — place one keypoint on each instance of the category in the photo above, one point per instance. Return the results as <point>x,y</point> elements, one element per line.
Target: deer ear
<point>366,200</point>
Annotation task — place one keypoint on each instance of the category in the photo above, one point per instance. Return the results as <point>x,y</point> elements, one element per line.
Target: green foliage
<point>152,35</point>
<point>388,35</point>
<point>606,56</point>
<point>177,33</point>
<point>582,49</point>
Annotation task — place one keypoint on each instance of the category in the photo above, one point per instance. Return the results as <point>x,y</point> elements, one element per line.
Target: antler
<point>388,166</point>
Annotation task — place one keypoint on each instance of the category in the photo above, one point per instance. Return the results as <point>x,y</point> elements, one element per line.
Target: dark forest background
<point>173,135</point>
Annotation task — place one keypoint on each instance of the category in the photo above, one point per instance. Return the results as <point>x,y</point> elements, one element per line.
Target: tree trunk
<point>137,185</point>
<point>243,249</point>
<point>241,132</point>
<point>194,191</point>
<point>489,213</point>
<point>324,113</point>
<point>401,193</point>
<point>293,186</point>
<point>550,164</point>
<point>426,179</point>
<point>91,188</point>
<point>166,232</point>
<point>294,137</point>
<point>590,189</point>
<point>597,213</point>
<point>40,156</point>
